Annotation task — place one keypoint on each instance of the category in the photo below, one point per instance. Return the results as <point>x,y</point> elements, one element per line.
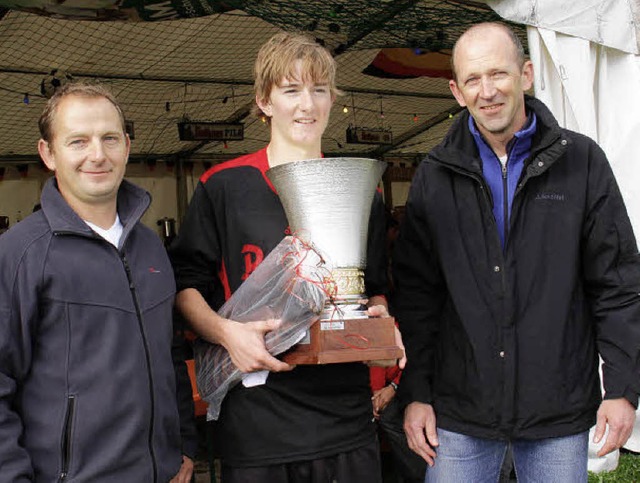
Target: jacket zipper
<point>66,438</point>
<point>134,295</point>
<point>505,204</point>
<point>487,192</point>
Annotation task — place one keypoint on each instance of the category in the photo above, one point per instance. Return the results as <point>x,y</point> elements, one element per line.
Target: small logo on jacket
<point>550,196</point>
<point>153,270</point>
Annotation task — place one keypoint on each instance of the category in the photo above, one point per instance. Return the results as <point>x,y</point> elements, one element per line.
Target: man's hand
<point>420,421</point>
<point>381,398</point>
<point>185,473</point>
<point>620,415</point>
<point>245,344</point>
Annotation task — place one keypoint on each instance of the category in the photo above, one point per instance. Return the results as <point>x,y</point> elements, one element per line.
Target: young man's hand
<point>246,347</point>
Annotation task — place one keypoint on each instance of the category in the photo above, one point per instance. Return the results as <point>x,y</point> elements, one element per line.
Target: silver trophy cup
<point>328,201</point>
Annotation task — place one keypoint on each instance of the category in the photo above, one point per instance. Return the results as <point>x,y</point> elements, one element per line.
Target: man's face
<point>490,83</point>
<point>88,151</point>
<point>299,110</point>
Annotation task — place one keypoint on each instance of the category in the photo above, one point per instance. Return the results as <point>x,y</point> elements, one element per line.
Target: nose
<point>97,151</point>
<point>487,87</point>
<point>306,100</point>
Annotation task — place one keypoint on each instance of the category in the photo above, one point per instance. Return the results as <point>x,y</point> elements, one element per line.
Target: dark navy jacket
<point>504,343</point>
<point>87,383</point>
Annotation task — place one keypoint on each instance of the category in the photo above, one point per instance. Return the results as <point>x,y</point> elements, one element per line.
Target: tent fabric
<point>410,63</point>
<point>612,23</point>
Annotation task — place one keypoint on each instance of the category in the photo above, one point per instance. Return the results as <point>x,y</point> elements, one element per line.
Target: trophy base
<point>347,340</point>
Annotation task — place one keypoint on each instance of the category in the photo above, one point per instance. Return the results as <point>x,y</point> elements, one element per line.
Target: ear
<point>527,75</point>
<point>264,105</point>
<point>453,85</point>
<point>44,149</point>
<point>127,141</point>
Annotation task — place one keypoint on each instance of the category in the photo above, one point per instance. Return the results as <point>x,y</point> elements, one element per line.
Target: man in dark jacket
<point>87,383</point>
<point>516,265</point>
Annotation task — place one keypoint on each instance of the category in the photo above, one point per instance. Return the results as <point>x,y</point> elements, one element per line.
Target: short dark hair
<point>515,41</point>
<point>80,89</point>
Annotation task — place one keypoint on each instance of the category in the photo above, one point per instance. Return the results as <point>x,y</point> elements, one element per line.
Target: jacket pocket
<point>65,442</point>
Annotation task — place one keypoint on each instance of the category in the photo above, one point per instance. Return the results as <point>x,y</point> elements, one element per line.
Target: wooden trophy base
<point>347,340</point>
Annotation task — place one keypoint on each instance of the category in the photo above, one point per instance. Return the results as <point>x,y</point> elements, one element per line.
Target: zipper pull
<point>504,170</point>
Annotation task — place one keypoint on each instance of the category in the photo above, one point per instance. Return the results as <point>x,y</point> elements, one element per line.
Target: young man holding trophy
<point>308,423</point>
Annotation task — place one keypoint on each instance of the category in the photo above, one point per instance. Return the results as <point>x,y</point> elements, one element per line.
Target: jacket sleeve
<point>195,253</point>
<point>18,314</point>
<point>612,280</point>
<point>419,294</point>
<point>375,274</point>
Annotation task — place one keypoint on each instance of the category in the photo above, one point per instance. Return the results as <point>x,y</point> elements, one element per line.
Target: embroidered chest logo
<point>550,196</point>
<point>253,256</point>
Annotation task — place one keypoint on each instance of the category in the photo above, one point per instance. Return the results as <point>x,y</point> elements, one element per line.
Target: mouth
<point>491,108</point>
<point>96,173</point>
<point>305,121</point>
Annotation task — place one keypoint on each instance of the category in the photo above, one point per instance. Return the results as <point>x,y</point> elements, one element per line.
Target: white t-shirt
<point>112,235</point>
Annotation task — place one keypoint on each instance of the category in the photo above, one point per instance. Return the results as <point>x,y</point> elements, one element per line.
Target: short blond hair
<point>277,58</point>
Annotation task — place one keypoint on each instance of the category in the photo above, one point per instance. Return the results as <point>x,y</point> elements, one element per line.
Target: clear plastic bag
<point>291,285</point>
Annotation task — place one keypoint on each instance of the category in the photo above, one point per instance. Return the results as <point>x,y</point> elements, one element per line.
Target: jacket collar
<point>459,150</point>
<point>132,203</point>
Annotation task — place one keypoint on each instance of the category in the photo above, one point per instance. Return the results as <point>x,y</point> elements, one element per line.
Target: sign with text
<point>210,131</point>
<point>364,135</point>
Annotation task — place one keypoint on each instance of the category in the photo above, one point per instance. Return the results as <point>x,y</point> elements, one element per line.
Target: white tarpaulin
<point>587,71</point>
<point>606,22</point>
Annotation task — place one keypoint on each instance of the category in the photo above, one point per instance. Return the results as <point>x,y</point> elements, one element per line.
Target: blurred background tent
<point>191,60</point>
<point>173,61</point>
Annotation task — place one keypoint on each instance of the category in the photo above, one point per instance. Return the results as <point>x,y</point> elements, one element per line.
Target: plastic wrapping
<point>291,285</point>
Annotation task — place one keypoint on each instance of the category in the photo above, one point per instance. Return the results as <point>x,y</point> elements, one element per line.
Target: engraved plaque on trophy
<point>328,201</point>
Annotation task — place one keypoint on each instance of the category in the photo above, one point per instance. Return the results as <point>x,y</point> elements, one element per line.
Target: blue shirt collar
<point>527,131</point>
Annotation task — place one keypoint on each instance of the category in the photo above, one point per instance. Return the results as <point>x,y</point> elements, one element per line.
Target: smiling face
<point>298,108</point>
<point>490,82</point>
<point>88,152</point>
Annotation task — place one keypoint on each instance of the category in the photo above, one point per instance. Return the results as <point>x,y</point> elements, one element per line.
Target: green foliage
<point>628,471</point>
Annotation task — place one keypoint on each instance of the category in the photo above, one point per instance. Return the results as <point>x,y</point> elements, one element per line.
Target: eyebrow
<point>76,134</point>
<point>294,83</point>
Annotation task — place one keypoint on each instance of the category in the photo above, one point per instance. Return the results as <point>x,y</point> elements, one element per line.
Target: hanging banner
<point>406,63</point>
<point>210,131</point>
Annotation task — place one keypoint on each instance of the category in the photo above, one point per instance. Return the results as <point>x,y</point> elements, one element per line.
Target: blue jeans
<point>462,459</point>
